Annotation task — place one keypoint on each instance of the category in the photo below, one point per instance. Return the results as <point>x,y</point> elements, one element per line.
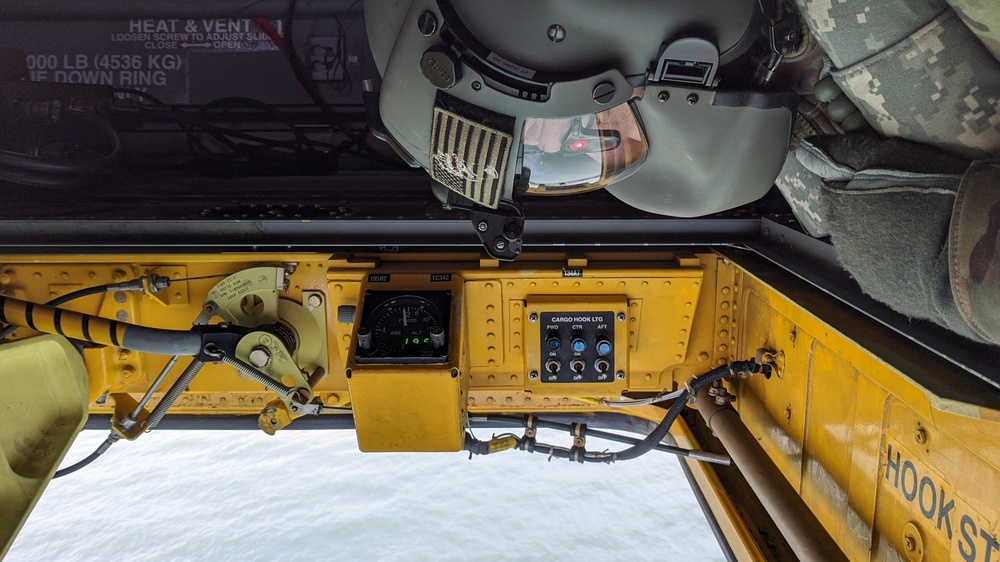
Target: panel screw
<point>911,543</point>
<point>259,357</point>
<point>482,226</point>
<point>620,375</point>
<point>692,99</point>
<point>620,317</point>
<point>533,317</point>
<point>533,375</point>
<point>476,85</point>
<point>920,435</point>
<point>604,92</point>
<point>500,244</point>
<point>664,96</point>
<point>427,24</point>
<point>315,301</point>
<point>556,33</point>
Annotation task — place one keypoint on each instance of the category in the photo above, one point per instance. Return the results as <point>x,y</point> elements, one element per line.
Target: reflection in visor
<point>577,154</point>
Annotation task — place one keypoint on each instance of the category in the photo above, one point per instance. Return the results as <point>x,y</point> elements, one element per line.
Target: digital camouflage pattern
<point>802,190</point>
<point>983,18</point>
<point>918,69</point>
<point>939,86</point>
<point>974,249</point>
<point>853,30</point>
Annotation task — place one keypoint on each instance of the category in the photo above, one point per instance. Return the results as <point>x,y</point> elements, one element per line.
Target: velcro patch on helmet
<point>469,158</point>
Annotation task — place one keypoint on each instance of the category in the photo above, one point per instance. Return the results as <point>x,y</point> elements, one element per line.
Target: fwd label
<point>927,495</point>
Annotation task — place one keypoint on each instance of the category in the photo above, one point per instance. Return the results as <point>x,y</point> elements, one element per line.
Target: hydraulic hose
<point>111,440</point>
<point>94,329</point>
<point>661,430</point>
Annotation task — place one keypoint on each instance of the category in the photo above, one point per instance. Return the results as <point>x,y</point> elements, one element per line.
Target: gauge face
<point>401,326</point>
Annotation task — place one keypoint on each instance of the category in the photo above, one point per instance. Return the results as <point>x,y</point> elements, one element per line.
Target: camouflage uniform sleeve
<point>914,70</point>
<point>853,30</point>
<point>802,190</point>
<point>974,249</point>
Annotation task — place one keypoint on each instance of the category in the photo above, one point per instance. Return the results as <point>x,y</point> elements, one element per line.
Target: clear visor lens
<point>576,154</point>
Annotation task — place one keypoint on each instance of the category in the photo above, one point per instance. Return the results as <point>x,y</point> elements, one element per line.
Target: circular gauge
<point>405,325</point>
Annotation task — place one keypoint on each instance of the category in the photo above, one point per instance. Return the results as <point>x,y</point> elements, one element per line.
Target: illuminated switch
<point>603,347</point>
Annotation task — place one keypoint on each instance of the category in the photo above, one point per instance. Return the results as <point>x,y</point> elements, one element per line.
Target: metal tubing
<point>156,384</point>
<point>607,435</point>
<point>805,534</point>
<point>175,391</point>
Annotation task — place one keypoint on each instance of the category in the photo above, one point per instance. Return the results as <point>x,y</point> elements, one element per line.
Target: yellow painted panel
<point>944,487</point>
<point>775,408</point>
<point>828,460</point>
<point>408,410</point>
<point>484,322</point>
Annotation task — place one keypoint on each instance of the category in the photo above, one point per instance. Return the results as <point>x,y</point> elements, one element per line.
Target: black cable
<point>640,447</point>
<point>111,440</point>
<point>31,167</point>
<point>336,122</point>
<point>140,94</point>
<point>661,430</point>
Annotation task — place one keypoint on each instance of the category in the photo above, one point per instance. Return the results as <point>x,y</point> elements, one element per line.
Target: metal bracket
<point>775,359</point>
<point>579,448</point>
<point>784,35</point>
<point>499,230</point>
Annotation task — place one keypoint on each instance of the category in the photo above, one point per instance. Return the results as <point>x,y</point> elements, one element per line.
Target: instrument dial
<point>402,325</point>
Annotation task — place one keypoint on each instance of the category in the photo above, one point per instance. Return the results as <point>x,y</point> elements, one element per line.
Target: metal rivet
<point>315,301</point>
<point>556,33</point>
<point>427,24</point>
<point>664,96</point>
<point>692,99</point>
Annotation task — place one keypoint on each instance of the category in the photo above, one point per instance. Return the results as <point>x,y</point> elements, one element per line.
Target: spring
<point>175,391</point>
<point>253,374</point>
